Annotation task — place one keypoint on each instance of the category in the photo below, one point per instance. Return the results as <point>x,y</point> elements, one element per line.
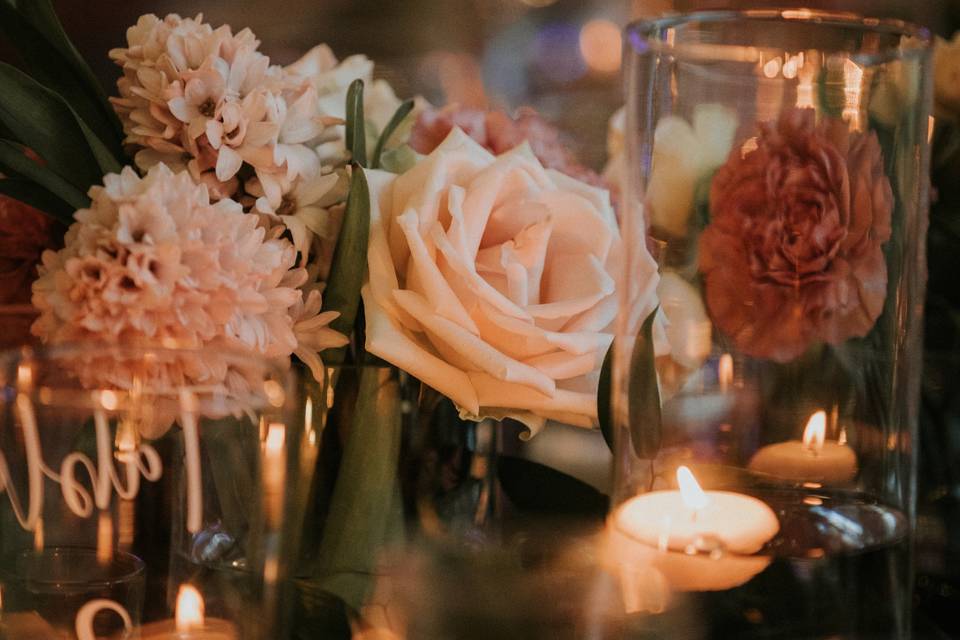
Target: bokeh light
<point>600,45</point>
<point>557,55</point>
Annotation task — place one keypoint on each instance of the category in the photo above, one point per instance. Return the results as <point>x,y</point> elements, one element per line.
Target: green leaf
<point>402,112</point>
<point>646,430</point>
<point>14,161</point>
<point>604,413</point>
<point>356,139</point>
<point>399,159</point>
<point>365,507</point>
<point>44,17</point>
<point>57,71</point>
<point>31,193</point>
<point>537,489</point>
<point>46,124</point>
<point>349,266</point>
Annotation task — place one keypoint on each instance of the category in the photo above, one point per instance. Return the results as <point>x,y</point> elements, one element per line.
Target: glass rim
<point>138,567</point>
<point>53,352</point>
<point>74,392</point>
<point>638,34</point>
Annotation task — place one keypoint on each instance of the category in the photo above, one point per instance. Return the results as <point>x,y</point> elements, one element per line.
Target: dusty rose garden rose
<point>484,285</point>
<point>793,254</point>
<point>498,133</point>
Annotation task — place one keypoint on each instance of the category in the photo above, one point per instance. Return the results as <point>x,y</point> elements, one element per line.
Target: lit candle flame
<point>815,432</point>
<point>273,472</point>
<point>690,492</point>
<point>38,543</point>
<point>109,400</point>
<point>772,68</point>
<point>725,371</point>
<point>276,434</point>
<point>104,538</point>
<point>24,377</point>
<point>189,613</point>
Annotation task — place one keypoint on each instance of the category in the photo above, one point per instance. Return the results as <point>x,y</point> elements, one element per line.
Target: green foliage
<point>537,489</point>
<point>356,139</point>
<point>646,429</point>
<point>366,508</point>
<point>14,162</point>
<point>30,192</point>
<point>402,112</point>
<point>56,108</point>
<point>349,267</point>
<point>399,159</point>
<point>643,395</point>
<point>44,122</point>
<point>50,58</point>
<point>604,413</point>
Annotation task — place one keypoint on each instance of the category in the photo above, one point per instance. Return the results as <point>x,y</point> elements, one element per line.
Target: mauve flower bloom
<point>24,234</point>
<point>152,260</point>
<point>793,253</point>
<point>499,133</point>
<point>208,100</point>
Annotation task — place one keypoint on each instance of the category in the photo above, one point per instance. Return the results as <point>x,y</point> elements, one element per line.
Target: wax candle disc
<point>740,524</point>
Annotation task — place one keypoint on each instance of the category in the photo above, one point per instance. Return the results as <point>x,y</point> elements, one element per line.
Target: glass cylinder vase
<point>765,417</point>
<point>150,492</point>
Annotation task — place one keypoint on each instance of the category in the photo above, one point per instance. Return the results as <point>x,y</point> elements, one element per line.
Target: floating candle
<point>699,540</point>
<point>189,622</point>
<point>812,459</point>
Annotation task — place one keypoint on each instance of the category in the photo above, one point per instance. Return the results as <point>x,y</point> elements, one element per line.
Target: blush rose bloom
<point>493,280</point>
<point>793,254</point>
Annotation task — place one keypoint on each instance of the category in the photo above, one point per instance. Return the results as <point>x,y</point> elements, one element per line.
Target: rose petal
<point>492,392</point>
<point>388,341</point>
<point>432,285</point>
<point>471,347</point>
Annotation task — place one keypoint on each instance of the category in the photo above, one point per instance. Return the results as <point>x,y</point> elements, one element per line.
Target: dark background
<point>477,52</point>
<point>508,53</point>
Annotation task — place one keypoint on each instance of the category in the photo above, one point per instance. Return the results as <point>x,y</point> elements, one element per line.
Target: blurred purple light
<point>557,52</point>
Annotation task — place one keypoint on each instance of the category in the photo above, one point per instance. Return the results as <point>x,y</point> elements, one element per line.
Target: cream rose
<point>683,155</point>
<point>493,280</point>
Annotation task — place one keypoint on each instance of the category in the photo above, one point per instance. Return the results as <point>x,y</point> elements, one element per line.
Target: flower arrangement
<point>246,204</point>
<point>305,213</point>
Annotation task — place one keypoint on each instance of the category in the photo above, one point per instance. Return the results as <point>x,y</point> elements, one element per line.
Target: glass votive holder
<point>775,160</point>
<point>117,461</point>
<point>43,590</point>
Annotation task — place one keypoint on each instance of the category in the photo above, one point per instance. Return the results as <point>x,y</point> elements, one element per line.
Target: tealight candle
<point>812,459</point>
<point>189,622</point>
<point>674,527</point>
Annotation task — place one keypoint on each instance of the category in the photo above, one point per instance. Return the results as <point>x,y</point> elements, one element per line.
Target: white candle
<point>698,540</point>
<point>812,459</point>
<point>189,622</point>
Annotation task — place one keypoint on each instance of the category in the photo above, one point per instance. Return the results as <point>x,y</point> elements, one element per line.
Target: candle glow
<point>810,459</point>
<point>664,532</point>
<point>815,433</point>
<point>691,493</point>
<point>189,614</point>
<point>725,371</point>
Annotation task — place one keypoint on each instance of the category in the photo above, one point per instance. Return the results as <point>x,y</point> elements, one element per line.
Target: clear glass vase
<point>148,492</point>
<point>777,165</point>
<point>356,505</point>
